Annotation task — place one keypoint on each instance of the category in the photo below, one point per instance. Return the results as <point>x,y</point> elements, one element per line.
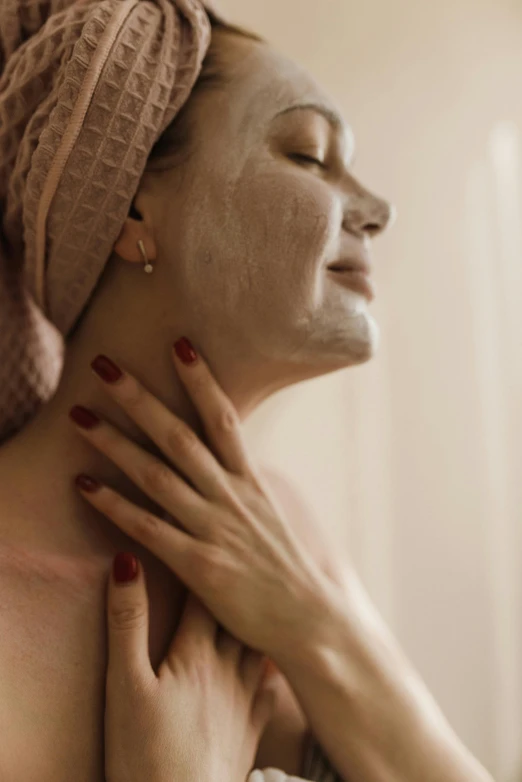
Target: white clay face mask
<point>259,230</point>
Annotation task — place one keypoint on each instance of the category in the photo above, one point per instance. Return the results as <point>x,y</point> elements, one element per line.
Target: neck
<point>39,504</point>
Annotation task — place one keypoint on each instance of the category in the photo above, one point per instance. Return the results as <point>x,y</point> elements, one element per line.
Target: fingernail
<point>124,567</point>
<point>185,350</point>
<point>106,369</point>
<point>83,417</point>
<point>269,667</point>
<point>87,483</point>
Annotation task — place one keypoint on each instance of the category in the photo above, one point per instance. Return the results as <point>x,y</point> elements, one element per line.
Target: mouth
<point>355,275</point>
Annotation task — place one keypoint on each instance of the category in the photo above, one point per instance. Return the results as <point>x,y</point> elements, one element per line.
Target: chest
<point>53,661</point>
<point>53,656</point>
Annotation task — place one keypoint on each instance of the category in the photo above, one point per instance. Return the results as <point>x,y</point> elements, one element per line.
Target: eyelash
<point>298,158</point>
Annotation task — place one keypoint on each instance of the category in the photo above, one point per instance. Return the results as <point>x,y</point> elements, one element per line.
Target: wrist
<point>325,629</point>
<point>366,704</point>
<point>344,645</point>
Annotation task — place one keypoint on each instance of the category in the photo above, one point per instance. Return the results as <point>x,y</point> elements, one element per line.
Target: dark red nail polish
<point>269,667</point>
<point>106,369</point>
<point>185,350</point>
<point>124,567</point>
<point>83,417</point>
<point>87,483</point>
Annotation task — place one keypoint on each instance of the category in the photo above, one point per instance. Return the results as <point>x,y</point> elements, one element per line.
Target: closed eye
<point>307,159</point>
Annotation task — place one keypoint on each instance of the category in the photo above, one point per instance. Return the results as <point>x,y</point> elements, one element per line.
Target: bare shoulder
<point>286,490</point>
<point>298,511</point>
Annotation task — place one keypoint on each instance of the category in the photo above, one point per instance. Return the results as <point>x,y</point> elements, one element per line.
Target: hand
<point>233,547</point>
<point>200,719</point>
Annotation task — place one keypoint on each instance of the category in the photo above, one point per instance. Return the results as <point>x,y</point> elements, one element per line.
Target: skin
<point>241,228</point>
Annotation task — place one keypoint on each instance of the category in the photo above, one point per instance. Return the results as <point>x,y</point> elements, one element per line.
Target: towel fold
<point>86,89</point>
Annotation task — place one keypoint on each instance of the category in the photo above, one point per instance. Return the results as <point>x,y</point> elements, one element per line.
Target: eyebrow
<point>333,117</point>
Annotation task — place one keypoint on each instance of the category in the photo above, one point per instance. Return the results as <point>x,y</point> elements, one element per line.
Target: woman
<point>236,550</point>
<point>242,208</point>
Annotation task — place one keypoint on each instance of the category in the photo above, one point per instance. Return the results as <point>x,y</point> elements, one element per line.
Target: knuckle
<point>127,616</point>
<point>180,438</point>
<point>226,421</point>
<point>157,477</point>
<point>209,566</point>
<point>147,527</point>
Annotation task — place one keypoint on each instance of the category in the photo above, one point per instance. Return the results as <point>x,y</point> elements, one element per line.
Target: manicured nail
<point>124,567</point>
<point>269,667</point>
<point>83,417</point>
<point>185,350</point>
<point>87,483</point>
<point>106,369</point>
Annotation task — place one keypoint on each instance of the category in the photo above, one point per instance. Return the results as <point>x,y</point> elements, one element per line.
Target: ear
<point>134,229</point>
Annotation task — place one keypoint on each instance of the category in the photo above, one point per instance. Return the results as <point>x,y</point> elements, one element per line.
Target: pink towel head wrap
<point>86,89</point>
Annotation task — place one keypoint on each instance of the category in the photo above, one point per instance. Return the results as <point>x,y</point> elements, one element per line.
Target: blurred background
<point>412,462</point>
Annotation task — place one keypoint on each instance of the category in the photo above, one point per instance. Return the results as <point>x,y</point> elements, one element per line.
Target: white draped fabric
<point>271,775</point>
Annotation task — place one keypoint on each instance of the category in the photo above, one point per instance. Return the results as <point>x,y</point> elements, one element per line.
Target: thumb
<point>128,618</point>
<point>264,706</point>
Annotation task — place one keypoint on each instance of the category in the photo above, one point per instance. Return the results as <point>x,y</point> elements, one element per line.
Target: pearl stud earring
<point>148,267</point>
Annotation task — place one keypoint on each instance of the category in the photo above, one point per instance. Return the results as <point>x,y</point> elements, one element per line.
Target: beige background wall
<point>413,462</point>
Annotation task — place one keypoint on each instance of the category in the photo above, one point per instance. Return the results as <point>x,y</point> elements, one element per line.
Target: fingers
<point>177,549</point>
<point>258,675</point>
<point>218,414</point>
<point>198,626</point>
<point>154,477</point>
<point>128,621</point>
<point>264,707</point>
<point>177,441</point>
<point>196,621</point>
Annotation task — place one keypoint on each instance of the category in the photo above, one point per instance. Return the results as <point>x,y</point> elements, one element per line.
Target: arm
<point>288,742</point>
<point>361,697</point>
<point>286,738</point>
<point>367,705</point>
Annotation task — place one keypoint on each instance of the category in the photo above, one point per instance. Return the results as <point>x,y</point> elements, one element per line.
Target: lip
<point>356,264</point>
<point>354,273</point>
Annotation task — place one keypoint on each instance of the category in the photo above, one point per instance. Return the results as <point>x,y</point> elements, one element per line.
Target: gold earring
<point>148,266</point>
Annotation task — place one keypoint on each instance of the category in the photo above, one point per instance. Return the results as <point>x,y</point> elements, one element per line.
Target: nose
<point>366,214</point>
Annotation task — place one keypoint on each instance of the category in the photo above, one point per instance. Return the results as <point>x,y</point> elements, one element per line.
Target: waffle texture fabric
<point>86,89</point>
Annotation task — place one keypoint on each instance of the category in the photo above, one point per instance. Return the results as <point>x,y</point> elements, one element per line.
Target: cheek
<point>284,227</point>
<point>256,241</point>
<point>288,220</point>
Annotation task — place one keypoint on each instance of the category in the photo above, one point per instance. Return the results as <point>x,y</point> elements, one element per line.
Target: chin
<point>365,340</point>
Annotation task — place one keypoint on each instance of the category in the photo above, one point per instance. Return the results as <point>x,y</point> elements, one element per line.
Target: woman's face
<point>253,222</point>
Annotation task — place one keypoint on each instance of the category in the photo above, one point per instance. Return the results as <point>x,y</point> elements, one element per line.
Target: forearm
<point>367,706</point>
